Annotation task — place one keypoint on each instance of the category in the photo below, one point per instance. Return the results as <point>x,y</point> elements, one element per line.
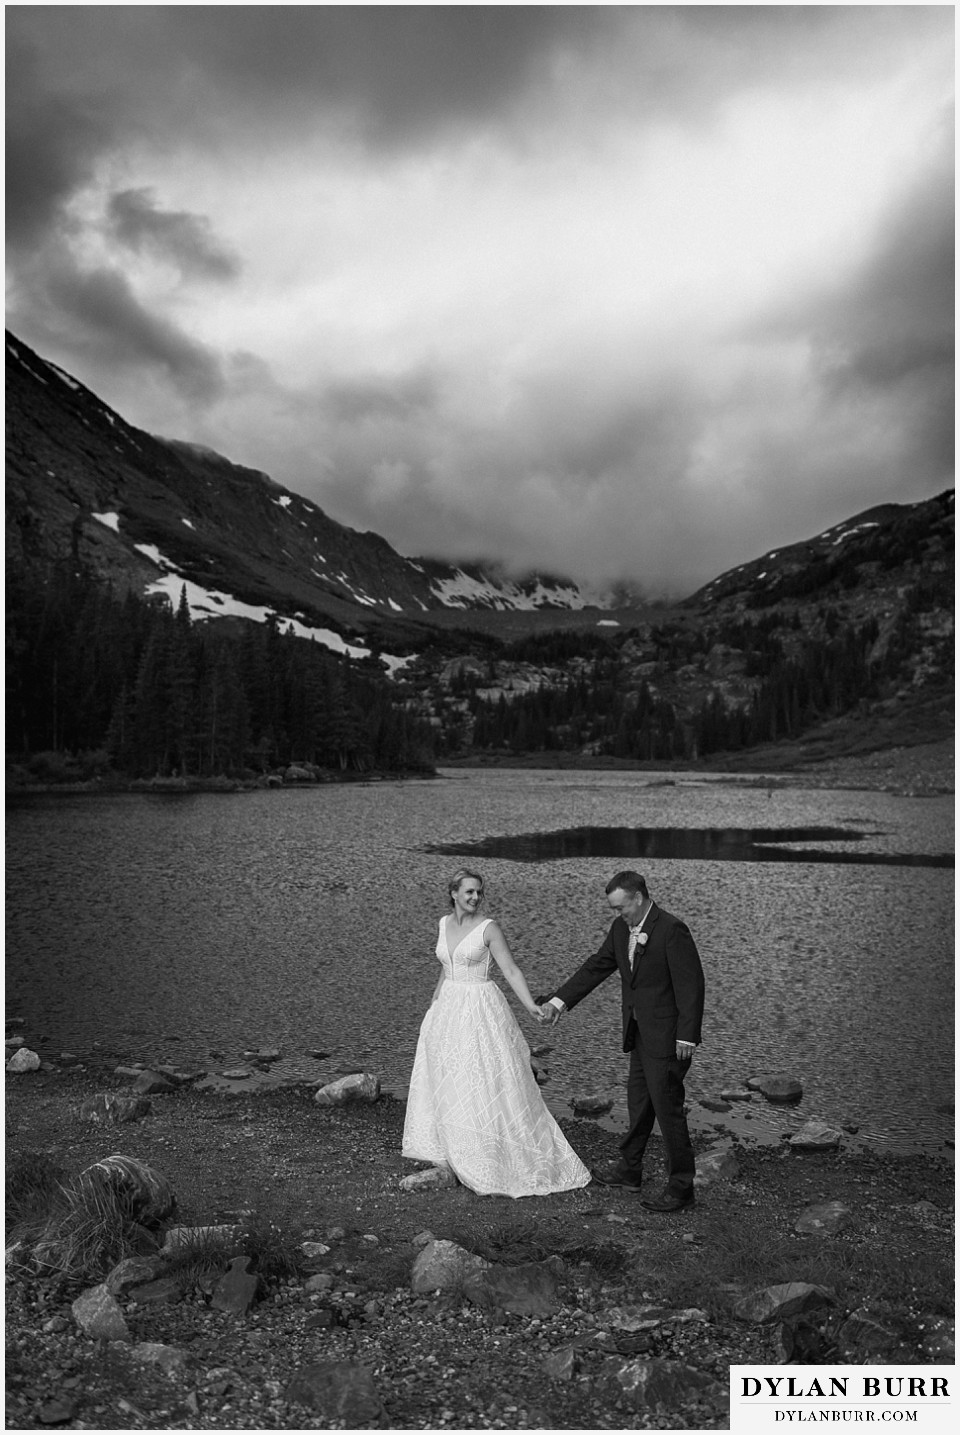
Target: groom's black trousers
<point>655,1092</point>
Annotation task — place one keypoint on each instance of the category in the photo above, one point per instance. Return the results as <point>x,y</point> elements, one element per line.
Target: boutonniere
<point>643,939</point>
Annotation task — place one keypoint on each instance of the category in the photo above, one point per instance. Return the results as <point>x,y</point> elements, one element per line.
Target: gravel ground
<point>436,1360</point>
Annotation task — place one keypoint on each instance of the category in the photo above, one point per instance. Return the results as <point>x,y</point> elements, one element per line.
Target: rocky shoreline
<point>431,1307</point>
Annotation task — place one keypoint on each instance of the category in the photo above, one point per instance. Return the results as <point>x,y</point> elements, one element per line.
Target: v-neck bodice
<point>467,960</point>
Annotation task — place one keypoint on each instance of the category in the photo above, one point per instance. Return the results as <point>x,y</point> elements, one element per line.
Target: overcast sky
<point>613,291</point>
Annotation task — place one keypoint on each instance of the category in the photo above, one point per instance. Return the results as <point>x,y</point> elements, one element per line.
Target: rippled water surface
<point>173,928</point>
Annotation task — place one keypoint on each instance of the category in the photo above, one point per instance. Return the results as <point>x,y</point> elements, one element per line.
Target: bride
<point>474,1104</point>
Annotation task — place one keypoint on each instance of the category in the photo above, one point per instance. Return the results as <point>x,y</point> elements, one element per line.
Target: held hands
<point>549,1014</point>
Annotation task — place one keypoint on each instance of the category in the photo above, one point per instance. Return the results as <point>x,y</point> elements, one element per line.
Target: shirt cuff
<point>561,1006</point>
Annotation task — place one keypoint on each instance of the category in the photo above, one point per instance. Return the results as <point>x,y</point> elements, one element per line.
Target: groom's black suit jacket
<point>663,997</point>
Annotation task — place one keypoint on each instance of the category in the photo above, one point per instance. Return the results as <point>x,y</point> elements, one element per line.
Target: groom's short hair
<point>628,882</point>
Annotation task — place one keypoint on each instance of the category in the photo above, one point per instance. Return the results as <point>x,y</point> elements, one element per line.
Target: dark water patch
<point>711,844</point>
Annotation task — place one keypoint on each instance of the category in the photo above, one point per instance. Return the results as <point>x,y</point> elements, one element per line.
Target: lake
<point>188,929</point>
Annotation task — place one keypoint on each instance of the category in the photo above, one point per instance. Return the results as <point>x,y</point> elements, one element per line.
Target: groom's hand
<point>685,1050</point>
<point>550,1014</point>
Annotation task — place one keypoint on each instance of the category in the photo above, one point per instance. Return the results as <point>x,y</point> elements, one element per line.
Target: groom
<point>662,994</point>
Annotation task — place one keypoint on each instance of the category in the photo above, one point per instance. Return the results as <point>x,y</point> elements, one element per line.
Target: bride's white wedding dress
<point>474,1104</point>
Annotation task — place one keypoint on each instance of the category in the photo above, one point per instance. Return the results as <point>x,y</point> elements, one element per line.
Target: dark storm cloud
<point>117,325</point>
<point>187,240</point>
<point>52,141</point>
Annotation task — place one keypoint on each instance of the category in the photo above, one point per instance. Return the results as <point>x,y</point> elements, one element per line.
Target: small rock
<point>56,1411</point>
<point>167,1290</point>
<point>437,1178</point>
<point>709,1105</point>
<point>777,1302</point>
<point>529,1289</point>
<point>778,1089</point>
<point>166,1357</point>
<point>360,1086</point>
<point>423,1238</point>
<point>561,1364</point>
<point>23,1060</point>
<point>237,1073</point>
<point>265,1054</point>
<point>591,1105</point>
<point>322,1281</point>
<point>825,1218</point>
<point>98,1315</point>
<point>342,1390</point>
<point>151,1083</point>
<point>443,1264</point>
<point>717,1163</point>
<point>313,1249</point>
<point>236,1291</point>
<point>815,1135</point>
<point>131,1072</point>
<point>134,1270</point>
<point>736,1093</point>
<point>865,1338</point>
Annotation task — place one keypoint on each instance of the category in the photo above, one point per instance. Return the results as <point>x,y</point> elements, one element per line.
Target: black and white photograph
<point>480,796</point>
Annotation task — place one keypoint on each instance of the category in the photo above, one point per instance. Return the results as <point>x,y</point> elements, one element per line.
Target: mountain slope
<point>151,514</point>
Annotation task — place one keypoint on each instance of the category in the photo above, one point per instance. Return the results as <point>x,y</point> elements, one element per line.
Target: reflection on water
<point>192,930</point>
<point>714,844</point>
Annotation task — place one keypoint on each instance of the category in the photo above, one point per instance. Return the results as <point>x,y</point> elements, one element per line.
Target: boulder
<point>646,1383</point>
<point>815,1135</point>
<point>295,773</point>
<point>528,1289</point>
<point>777,1302</point>
<point>105,1109</point>
<point>23,1059</point>
<point>340,1390</point>
<point>779,1089</point>
<point>437,1178</point>
<point>824,1218</point>
<point>236,1290</point>
<point>443,1264</point>
<point>717,1163</point>
<point>98,1315</point>
<point>591,1105</point>
<point>361,1086</point>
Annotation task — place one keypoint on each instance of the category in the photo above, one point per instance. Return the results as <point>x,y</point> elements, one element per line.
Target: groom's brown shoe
<point>615,1173</point>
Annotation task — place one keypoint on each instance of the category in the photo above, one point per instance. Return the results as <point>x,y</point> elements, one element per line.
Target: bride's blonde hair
<point>461,875</point>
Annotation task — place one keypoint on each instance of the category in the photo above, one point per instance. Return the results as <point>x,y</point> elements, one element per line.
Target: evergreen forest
<point>98,682</point>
